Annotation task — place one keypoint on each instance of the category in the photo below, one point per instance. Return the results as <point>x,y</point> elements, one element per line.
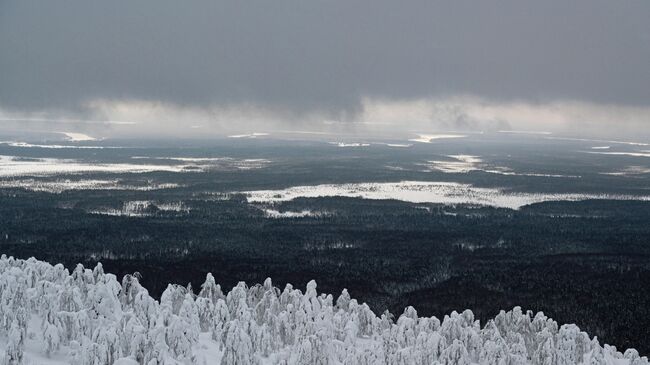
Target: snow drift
<point>51,316</point>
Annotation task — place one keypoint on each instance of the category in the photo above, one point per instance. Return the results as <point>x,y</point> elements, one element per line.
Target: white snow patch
<point>212,163</point>
<point>78,137</point>
<point>449,193</point>
<point>61,185</point>
<point>466,163</point>
<point>17,166</point>
<point>600,147</point>
<point>629,171</point>
<point>12,166</point>
<point>599,141</point>
<point>525,132</point>
<point>140,208</point>
<point>460,164</point>
<point>428,138</point>
<point>249,135</point>
<point>55,146</point>
<point>633,154</point>
<point>353,144</point>
<point>272,213</point>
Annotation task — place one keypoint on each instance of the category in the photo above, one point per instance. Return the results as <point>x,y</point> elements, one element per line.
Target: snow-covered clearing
<point>449,193</point>
<point>12,166</point>
<point>61,185</point>
<point>461,164</point>
<point>143,208</point>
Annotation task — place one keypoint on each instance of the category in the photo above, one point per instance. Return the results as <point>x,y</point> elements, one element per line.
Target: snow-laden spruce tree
<point>15,345</point>
<point>89,317</point>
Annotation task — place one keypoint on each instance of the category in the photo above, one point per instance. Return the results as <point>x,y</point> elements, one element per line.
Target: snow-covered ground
<point>12,166</point>
<point>61,185</point>
<point>428,138</point>
<point>143,208</point>
<point>272,213</point>
<point>56,146</point>
<point>250,135</point>
<point>426,192</point>
<point>50,316</point>
<point>350,144</point>
<point>461,164</point>
<point>630,171</point>
<point>633,154</point>
<point>78,137</point>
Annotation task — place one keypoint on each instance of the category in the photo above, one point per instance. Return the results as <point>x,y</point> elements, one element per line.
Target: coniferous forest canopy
<point>565,232</point>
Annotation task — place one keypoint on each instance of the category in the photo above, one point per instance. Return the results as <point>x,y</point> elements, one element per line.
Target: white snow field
<point>13,166</point>
<point>78,137</point>
<point>429,138</point>
<point>449,193</point>
<point>51,316</point>
<point>61,185</point>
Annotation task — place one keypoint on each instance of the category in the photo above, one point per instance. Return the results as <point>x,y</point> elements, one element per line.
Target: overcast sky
<point>263,64</point>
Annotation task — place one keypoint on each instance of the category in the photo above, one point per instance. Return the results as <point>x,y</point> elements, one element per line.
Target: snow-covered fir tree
<point>51,316</point>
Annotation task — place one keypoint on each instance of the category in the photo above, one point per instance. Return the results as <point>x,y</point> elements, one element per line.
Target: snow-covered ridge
<point>51,316</point>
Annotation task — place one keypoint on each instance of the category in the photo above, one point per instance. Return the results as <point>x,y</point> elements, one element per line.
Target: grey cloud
<point>320,55</point>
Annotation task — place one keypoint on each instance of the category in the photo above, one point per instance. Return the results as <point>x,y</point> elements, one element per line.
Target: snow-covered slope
<point>51,316</point>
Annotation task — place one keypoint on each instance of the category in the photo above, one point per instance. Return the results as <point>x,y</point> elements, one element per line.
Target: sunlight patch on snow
<point>526,132</point>
<point>214,163</point>
<point>249,135</point>
<point>17,166</point>
<point>429,138</point>
<point>449,193</point>
<point>353,144</point>
<point>55,146</point>
<point>13,166</point>
<point>78,137</point>
<point>632,154</point>
<point>462,164</point>
<point>599,141</point>
<point>629,171</point>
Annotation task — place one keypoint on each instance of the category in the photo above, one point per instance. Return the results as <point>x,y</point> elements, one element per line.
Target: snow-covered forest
<point>51,316</point>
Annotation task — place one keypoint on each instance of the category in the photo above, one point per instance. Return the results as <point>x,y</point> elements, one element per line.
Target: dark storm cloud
<point>320,55</point>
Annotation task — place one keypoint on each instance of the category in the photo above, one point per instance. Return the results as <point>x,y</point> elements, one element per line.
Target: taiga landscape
<point>416,183</point>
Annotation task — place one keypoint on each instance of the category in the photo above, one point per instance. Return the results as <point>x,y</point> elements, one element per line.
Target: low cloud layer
<point>374,117</point>
<point>578,67</point>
